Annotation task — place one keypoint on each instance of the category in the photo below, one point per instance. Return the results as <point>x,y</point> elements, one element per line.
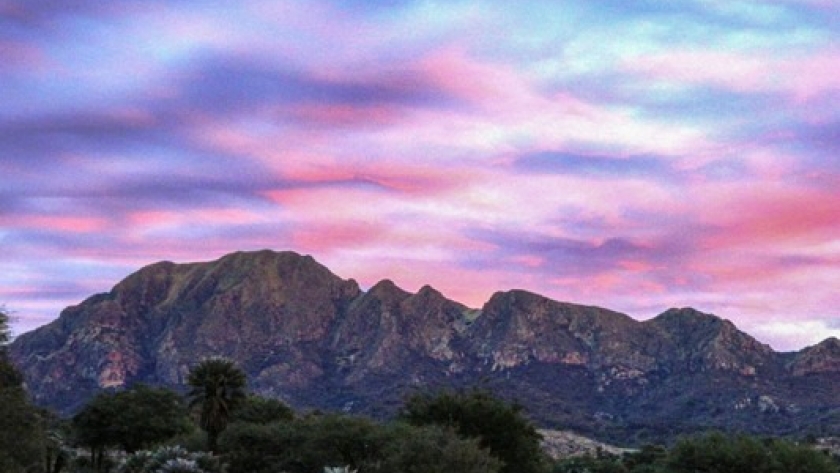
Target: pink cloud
<point>737,71</point>
<point>147,220</point>
<point>814,76</point>
<point>771,214</point>
<point>800,78</point>
<point>63,223</point>
<point>347,116</point>
<point>329,236</point>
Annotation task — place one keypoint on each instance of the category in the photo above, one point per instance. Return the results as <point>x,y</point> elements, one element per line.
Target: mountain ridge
<point>318,341</point>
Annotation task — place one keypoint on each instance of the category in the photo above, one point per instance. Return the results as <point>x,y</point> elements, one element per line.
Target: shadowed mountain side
<point>315,340</point>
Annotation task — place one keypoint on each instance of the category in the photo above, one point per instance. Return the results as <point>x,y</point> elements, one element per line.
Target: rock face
<point>315,340</point>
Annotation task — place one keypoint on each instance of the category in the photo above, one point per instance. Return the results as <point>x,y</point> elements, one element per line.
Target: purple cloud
<point>636,155</point>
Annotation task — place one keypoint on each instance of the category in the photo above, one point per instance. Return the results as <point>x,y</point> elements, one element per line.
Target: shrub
<point>170,460</point>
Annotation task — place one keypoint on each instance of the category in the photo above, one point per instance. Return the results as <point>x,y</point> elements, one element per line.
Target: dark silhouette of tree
<point>94,428</point>
<point>140,417</point>
<point>720,453</point>
<point>500,427</point>
<point>309,444</point>
<point>22,432</point>
<point>217,387</point>
<point>262,410</point>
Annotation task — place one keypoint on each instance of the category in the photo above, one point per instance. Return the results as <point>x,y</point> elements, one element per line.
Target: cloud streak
<point>636,156</point>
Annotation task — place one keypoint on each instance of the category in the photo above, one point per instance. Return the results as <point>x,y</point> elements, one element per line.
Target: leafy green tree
<point>22,433</point>
<point>337,440</point>
<point>95,426</point>
<point>500,427</point>
<point>314,442</point>
<point>434,449</point>
<point>262,410</point>
<point>22,426</point>
<point>149,416</point>
<point>137,418</point>
<point>304,445</point>
<point>262,448</point>
<point>217,387</point>
<point>719,453</point>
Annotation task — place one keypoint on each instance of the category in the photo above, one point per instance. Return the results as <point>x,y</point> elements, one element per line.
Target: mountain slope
<point>318,341</point>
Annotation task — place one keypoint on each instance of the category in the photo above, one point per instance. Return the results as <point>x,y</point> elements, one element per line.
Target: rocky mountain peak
<point>704,341</point>
<point>316,340</point>
<point>387,290</point>
<point>823,357</point>
<point>686,319</point>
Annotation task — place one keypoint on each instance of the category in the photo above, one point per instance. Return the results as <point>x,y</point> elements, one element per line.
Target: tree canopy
<point>314,442</point>
<point>135,419</point>
<point>710,453</point>
<point>262,410</point>
<point>499,426</point>
<point>22,426</point>
<point>217,388</point>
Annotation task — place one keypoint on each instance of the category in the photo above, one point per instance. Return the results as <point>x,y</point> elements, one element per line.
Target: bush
<point>312,443</point>
<point>434,449</point>
<point>500,427</point>
<point>170,460</point>
<point>718,453</point>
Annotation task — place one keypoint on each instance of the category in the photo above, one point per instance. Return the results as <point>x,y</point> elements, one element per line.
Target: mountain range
<point>317,341</point>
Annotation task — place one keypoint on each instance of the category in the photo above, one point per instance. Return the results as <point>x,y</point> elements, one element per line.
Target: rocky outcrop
<point>559,444</point>
<point>316,340</point>
<point>821,358</point>
<point>518,327</point>
<point>693,341</point>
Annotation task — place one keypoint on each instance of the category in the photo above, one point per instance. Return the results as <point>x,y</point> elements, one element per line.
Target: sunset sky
<point>635,155</point>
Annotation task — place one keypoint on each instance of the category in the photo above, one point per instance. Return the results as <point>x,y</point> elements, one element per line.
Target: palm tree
<point>218,386</point>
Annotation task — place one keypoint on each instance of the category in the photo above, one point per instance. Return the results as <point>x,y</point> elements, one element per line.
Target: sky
<point>634,155</point>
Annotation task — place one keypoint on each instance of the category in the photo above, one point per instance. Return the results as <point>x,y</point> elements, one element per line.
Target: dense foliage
<point>711,453</point>
<point>138,418</point>
<point>262,410</point>
<point>313,442</point>
<point>24,443</point>
<point>498,426</point>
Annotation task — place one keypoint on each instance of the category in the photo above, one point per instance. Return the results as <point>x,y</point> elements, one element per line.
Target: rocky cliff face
<point>818,359</point>
<point>318,341</point>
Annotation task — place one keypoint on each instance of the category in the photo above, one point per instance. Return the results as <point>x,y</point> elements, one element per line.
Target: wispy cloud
<point>636,155</point>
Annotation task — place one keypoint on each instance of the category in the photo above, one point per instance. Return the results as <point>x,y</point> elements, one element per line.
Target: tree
<point>22,426</point>
<point>262,410</point>
<point>22,433</point>
<point>140,417</point>
<point>500,427</point>
<point>94,427</point>
<point>314,442</point>
<point>217,387</point>
<point>434,449</point>
<point>719,453</point>
<point>149,416</point>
